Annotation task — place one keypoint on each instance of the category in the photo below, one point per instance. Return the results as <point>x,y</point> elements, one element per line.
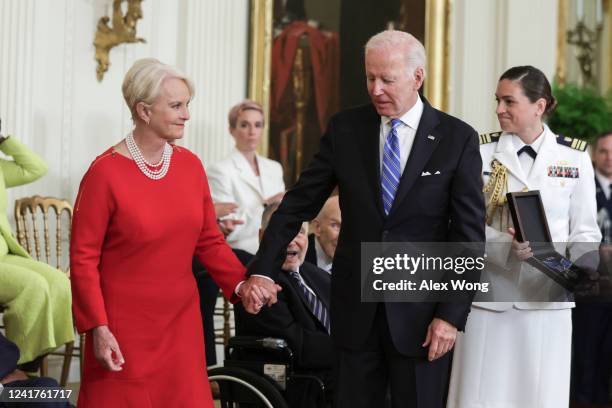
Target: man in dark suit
<point>300,317</point>
<point>592,321</point>
<point>405,172</point>
<point>323,241</point>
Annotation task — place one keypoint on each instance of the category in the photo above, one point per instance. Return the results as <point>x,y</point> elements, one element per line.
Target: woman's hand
<point>522,250</point>
<point>275,198</point>
<point>106,349</point>
<point>223,209</point>
<point>257,291</point>
<point>228,226</point>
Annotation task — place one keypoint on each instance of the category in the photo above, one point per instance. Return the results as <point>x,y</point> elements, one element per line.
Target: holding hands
<point>257,291</point>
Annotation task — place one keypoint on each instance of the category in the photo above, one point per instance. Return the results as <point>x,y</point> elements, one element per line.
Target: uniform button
<point>384,235</point>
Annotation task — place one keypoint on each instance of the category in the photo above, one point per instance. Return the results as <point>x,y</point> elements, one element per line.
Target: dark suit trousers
<point>369,376</point>
<point>592,353</point>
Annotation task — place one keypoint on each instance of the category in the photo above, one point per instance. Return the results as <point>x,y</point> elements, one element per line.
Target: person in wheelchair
<point>300,317</point>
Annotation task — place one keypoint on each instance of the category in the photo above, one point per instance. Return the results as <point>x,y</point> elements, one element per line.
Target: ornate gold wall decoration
<point>437,43</point>
<point>260,58</point>
<point>122,31</point>
<point>588,40</point>
<point>561,73</point>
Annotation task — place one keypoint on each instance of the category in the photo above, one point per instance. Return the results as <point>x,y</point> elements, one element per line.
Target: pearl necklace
<point>152,171</point>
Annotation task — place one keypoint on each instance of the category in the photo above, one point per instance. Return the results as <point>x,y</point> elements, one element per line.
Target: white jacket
<point>570,205</point>
<point>233,180</point>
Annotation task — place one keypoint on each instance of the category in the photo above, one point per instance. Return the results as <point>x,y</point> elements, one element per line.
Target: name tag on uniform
<point>563,171</point>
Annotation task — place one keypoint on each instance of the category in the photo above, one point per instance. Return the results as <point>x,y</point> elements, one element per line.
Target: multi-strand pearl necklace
<point>152,171</point>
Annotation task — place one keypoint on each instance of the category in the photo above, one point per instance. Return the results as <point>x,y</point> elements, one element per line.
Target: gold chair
<point>223,334</point>
<point>49,248</point>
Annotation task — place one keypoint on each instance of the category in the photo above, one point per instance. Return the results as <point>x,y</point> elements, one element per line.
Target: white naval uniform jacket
<point>232,180</point>
<point>569,203</point>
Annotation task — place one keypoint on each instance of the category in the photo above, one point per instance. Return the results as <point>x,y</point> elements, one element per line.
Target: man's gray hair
<point>400,40</point>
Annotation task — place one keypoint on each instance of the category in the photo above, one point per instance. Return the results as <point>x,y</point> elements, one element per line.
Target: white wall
<point>489,37</point>
<point>51,100</point>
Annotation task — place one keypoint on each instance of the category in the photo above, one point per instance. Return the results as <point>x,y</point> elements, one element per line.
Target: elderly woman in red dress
<point>143,210</point>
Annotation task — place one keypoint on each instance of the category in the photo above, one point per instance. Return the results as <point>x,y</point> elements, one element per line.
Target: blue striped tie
<point>317,308</point>
<point>391,168</point>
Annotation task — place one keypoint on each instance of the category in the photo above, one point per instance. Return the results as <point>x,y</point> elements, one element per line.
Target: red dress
<point>133,239</point>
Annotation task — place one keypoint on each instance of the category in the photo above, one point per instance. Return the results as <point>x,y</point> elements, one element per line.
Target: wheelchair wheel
<point>242,388</point>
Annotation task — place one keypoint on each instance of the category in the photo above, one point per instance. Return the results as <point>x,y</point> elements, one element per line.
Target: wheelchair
<point>259,373</point>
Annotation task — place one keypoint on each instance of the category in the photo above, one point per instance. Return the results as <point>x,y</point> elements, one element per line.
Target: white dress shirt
<point>604,182</point>
<point>525,159</point>
<point>323,261</point>
<point>405,132</point>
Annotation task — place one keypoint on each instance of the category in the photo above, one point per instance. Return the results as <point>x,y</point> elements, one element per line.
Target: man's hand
<point>440,338</point>
<point>522,250</point>
<point>16,375</point>
<point>106,349</point>
<point>258,291</point>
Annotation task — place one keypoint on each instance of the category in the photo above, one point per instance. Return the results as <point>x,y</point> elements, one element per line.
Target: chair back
<point>43,229</point>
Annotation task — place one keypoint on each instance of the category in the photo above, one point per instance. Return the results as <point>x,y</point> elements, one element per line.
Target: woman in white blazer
<point>517,354</point>
<point>245,178</point>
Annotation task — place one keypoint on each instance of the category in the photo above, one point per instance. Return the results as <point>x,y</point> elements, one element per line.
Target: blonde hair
<point>413,50</point>
<point>245,105</point>
<point>142,83</point>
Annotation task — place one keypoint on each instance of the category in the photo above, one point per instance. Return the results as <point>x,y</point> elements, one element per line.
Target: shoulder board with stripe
<point>489,137</point>
<point>572,142</point>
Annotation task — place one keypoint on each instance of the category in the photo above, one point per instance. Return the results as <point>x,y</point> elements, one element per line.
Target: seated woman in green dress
<point>36,296</point>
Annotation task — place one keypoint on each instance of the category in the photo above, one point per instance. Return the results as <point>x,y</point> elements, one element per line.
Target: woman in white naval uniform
<point>245,178</point>
<point>517,354</point>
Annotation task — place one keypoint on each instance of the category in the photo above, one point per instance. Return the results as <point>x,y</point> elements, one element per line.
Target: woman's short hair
<point>534,84</point>
<point>142,83</point>
<point>245,105</point>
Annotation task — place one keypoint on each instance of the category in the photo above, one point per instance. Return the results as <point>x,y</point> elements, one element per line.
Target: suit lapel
<point>267,183</point>
<point>506,155</point>
<point>546,155</point>
<point>370,136</point>
<point>421,151</point>
<point>599,195</point>
<point>246,174</point>
<point>311,280</point>
<point>294,284</point>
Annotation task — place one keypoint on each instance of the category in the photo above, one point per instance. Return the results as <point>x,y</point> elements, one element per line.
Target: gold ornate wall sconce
<point>586,39</point>
<point>123,30</point>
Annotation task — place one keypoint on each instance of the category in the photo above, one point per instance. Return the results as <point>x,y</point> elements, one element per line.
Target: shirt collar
<point>603,180</point>
<point>410,118</point>
<point>323,260</point>
<point>518,143</point>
